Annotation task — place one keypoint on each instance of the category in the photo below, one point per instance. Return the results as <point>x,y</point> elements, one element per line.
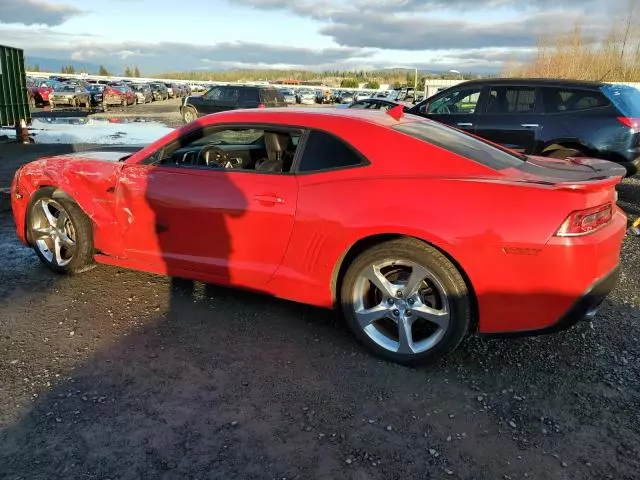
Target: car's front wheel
<point>406,301</point>
<point>60,232</point>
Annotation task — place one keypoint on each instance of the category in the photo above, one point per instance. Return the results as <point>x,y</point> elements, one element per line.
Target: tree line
<point>575,54</point>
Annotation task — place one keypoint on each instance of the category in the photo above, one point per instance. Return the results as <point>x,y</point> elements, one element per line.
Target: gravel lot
<point>122,375</point>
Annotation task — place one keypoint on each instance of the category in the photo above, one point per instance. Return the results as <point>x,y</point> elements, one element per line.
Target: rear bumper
<point>585,308</point>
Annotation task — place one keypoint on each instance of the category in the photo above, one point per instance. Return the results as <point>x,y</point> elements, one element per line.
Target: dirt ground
<point>114,374</point>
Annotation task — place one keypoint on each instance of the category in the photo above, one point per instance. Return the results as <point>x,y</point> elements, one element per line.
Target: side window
<point>511,100</point>
<point>559,100</point>
<point>248,95</point>
<point>230,94</point>
<point>323,151</point>
<point>236,148</point>
<point>463,101</point>
<point>214,93</point>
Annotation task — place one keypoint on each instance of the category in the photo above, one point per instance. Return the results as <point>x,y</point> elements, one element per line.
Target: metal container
<point>14,99</point>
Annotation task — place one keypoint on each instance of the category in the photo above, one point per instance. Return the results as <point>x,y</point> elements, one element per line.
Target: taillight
<point>583,222</point>
<point>631,122</point>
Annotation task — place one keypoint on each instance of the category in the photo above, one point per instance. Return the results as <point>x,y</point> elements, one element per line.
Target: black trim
<point>579,311</point>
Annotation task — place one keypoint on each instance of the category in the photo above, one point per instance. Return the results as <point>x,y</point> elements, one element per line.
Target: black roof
<point>536,82</point>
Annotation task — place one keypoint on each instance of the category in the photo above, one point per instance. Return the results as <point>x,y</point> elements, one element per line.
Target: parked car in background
<point>324,96</point>
<point>306,97</point>
<point>159,91</point>
<point>375,104</point>
<point>118,94</point>
<point>95,90</point>
<point>361,96</point>
<point>69,95</point>
<point>40,90</point>
<point>289,95</point>
<point>169,87</point>
<point>288,204</point>
<point>550,118</point>
<point>143,92</point>
<point>230,97</point>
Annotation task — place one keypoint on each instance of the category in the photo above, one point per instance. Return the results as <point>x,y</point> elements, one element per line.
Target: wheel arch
<point>574,144</point>
<point>365,243</point>
<point>98,217</point>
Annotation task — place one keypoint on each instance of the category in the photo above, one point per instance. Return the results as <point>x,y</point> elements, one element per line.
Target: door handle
<point>268,199</point>
<point>530,125</point>
<point>465,124</point>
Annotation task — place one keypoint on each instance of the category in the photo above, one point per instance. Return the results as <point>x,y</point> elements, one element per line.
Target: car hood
<point>98,155</point>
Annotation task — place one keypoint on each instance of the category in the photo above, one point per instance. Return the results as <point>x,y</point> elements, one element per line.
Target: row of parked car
<point>549,118</point>
<point>308,96</point>
<point>61,91</point>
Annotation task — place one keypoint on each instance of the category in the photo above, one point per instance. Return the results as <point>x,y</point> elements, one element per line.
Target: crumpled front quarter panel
<point>90,183</point>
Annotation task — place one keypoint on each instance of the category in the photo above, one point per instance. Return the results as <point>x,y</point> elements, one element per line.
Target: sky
<point>170,35</point>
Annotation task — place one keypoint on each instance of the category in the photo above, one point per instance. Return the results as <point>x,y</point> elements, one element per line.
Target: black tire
<point>564,153</point>
<point>187,112</point>
<point>416,251</point>
<point>82,259</point>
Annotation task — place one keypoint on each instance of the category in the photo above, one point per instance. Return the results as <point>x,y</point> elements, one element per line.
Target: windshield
<point>95,88</point>
<point>625,98</point>
<point>65,88</point>
<point>462,144</point>
<point>121,89</point>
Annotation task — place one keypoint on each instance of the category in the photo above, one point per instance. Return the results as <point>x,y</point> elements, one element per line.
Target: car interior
<point>245,149</point>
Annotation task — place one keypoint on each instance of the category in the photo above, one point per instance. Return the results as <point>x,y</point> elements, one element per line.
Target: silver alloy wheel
<point>401,306</point>
<point>189,116</point>
<point>53,232</point>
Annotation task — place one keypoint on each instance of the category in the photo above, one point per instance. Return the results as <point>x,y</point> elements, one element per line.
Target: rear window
<point>559,100</point>
<point>271,95</point>
<point>462,144</point>
<point>625,98</point>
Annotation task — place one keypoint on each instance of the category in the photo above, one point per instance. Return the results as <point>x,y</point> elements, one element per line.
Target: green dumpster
<point>14,99</point>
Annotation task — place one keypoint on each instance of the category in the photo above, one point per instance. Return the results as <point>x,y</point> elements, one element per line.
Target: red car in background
<point>417,232</point>
<point>40,91</point>
<point>118,94</point>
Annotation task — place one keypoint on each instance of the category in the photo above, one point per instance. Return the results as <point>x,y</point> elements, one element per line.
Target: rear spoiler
<point>589,185</point>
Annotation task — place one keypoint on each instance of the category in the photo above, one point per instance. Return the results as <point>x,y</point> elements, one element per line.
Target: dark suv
<point>554,118</point>
<point>230,97</point>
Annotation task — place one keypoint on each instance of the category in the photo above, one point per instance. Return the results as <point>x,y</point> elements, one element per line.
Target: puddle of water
<point>104,131</point>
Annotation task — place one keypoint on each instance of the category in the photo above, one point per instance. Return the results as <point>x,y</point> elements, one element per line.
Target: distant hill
<point>54,65</point>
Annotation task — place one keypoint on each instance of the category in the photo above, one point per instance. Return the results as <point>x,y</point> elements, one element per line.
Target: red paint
<point>286,234</point>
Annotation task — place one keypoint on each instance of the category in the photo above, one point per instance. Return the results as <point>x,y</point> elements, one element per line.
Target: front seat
<point>276,145</point>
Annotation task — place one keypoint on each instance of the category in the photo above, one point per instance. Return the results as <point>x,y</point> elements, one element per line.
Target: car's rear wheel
<point>189,115</point>
<point>61,233</point>
<point>564,153</point>
<point>406,302</point>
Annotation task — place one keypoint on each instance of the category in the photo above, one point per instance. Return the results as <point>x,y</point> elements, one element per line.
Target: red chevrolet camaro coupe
<point>418,232</point>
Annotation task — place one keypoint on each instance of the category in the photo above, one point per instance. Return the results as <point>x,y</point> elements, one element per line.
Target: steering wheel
<point>213,156</point>
<point>443,109</point>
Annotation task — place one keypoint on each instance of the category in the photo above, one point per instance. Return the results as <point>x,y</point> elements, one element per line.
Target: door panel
<point>511,118</point>
<point>233,225</point>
